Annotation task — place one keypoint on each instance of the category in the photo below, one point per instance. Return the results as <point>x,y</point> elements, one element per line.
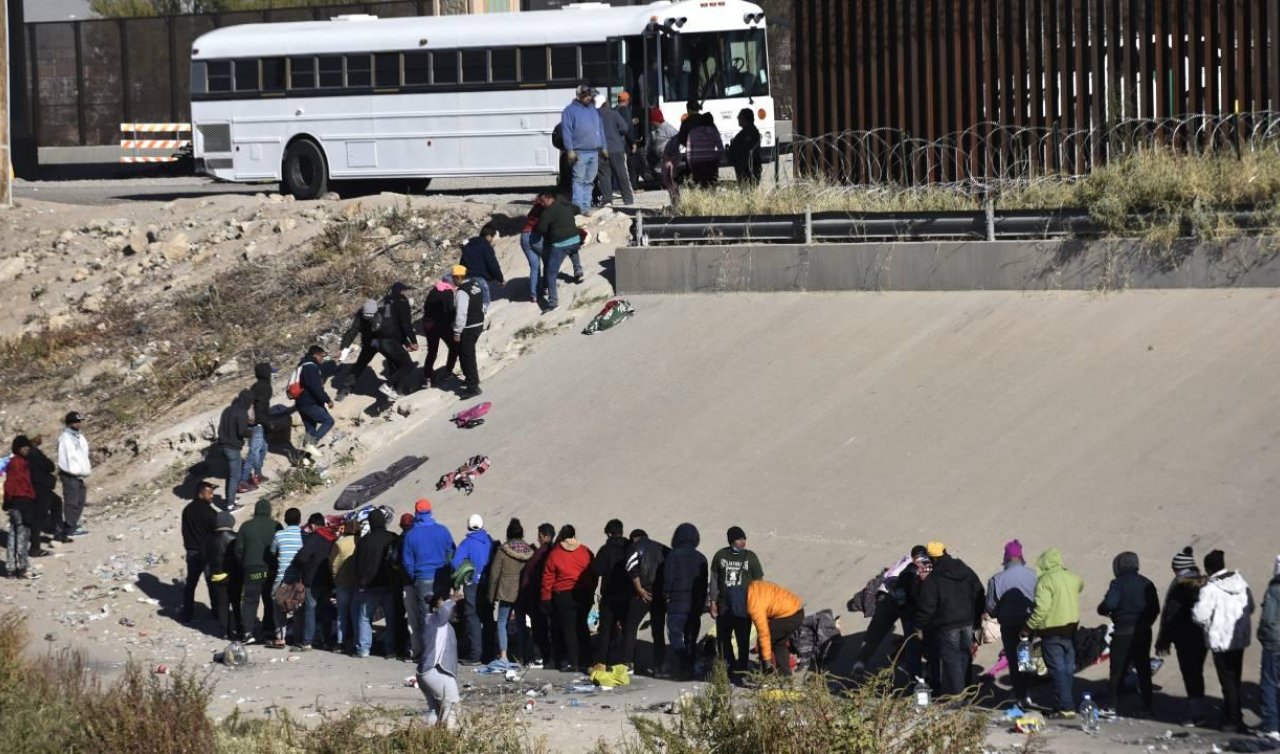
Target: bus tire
<point>306,173</point>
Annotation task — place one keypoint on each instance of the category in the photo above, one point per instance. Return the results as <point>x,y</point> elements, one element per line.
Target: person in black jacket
<point>233,429</point>
<point>224,575</point>
<point>374,552</point>
<point>684,587</point>
<point>1133,606</point>
<point>950,609</point>
<point>313,570</point>
<point>644,570</point>
<point>437,325</point>
<point>394,338</point>
<point>560,238</point>
<point>744,150</point>
<point>314,402</point>
<point>1179,632</point>
<point>481,262</point>
<point>199,519</point>
<point>251,476</point>
<point>48,505</point>
<point>362,327</point>
<point>615,590</point>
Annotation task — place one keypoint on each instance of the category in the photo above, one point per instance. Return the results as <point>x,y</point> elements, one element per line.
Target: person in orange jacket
<point>568,589</point>
<point>776,613</point>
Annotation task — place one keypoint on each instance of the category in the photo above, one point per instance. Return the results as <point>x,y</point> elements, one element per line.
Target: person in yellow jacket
<point>776,613</point>
<point>342,561</point>
<point>1054,620</point>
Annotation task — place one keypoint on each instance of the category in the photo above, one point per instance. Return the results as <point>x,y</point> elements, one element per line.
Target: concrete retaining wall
<point>935,266</point>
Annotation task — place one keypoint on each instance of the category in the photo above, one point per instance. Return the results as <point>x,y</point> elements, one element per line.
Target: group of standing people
<point>37,514</point>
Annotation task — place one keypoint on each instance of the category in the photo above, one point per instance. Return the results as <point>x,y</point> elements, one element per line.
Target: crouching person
<point>438,665</point>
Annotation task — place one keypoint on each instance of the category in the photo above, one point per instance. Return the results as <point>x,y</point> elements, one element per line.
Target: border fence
<point>923,91</point>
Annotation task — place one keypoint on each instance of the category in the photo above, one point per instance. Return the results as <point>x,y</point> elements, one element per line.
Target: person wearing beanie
<point>504,589</point>
<point>74,468</point>
<point>615,592</point>
<point>373,574</point>
<point>425,555</point>
<point>1011,596</point>
<point>468,323</point>
<point>1269,638</point>
<point>1179,631</point>
<point>733,568</point>
<point>1222,611</point>
<point>951,604</point>
<point>644,570</point>
<point>568,585</point>
<point>475,549</point>
<point>437,325</point>
<point>1133,606</point>
<point>224,575</point>
<point>1054,618</point>
<point>395,339</point>
<point>481,262</point>
<point>20,504</point>
<point>199,520</point>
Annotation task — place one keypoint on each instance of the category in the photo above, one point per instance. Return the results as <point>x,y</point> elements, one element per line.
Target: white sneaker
<point>1270,735</point>
<point>311,449</point>
<point>392,395</point>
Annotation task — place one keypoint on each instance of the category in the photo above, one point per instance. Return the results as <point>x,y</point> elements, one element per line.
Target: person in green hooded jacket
<point>253,551</point>
<point>1054,619</point>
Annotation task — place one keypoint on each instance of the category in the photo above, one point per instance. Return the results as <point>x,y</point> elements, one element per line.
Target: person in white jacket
<point>74,468</point>
<point>1223,611</point>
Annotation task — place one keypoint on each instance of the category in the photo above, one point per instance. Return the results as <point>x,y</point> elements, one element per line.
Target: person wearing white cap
<point>1269,638</point>
<point>474,550</point>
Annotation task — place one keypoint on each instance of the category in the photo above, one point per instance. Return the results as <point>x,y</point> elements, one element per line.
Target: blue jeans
<point>584,178</point>
<point>316,419</point>
<point>369,600</point>
<point>1270,683</point>
<point>511,620</point>
<point>555,258</point>
<point>474,633</point>
<point>316,608</point>
<point>953,660</point>
<point>346,616</point>
<point>1060,658</point>
<point>483,285</point>
<point>531,244</point>
<point>423,591</point>
<point>234,468</point>
<point>257,453</point>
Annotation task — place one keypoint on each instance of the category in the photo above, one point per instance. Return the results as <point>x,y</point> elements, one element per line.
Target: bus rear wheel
<point>306,174</point>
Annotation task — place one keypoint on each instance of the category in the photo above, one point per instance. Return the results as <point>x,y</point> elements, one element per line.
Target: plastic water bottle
<point>1025,662</point>
<point>1089,713</point>
<point>924,694</point>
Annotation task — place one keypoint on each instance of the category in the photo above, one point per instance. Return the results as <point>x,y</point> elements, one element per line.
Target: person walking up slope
<point>313,403</point>
<point>1133,606</point>
<point>234,427</point>
<point>395,340</point>
<point>1223,611</point>
<point>1269,638</point>
<point>475,549</point>
<point>1179,630</point>
<point>1055,618</point>
<point>481,262</point>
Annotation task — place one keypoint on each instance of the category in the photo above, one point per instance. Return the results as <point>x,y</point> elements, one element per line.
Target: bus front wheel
<point>306,174</point>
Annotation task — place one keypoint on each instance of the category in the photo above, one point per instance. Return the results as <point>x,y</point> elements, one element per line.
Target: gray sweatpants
<point>73,489</point>
<point>441,692</point>
<point>19,544</point>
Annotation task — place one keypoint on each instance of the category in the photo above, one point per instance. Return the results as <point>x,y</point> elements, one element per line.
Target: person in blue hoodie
<point>481,262</point>
<point>425,554</point>
<point>476,547</point>
<point>684,586</point>
<point>584,145</point>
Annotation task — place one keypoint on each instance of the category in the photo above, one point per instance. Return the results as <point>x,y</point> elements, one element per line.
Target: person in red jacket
<point>568,586</point>
<point>20,504</point>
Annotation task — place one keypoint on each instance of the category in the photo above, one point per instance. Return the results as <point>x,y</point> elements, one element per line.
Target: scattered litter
<point>411,681</point>
<point>126,623</point>
<point>528,706</point>
<point>161,669</point>
<point>470,418</point>
<point>463,478</point>
<point>613,314</point>
<point>149,601</point>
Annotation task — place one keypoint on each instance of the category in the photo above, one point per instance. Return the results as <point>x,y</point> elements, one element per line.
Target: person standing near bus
<point>613,168</point>
<point>583,135</point>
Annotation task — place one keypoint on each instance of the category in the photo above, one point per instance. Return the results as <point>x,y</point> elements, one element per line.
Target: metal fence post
<point>990,207</point>
<point>808,224</point>
<point>640,239</point>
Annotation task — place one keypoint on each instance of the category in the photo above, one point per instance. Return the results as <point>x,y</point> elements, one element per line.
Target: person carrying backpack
<point>733,568</point>
<point>310,399</point>
<point>395,336</point>
<point>437,325</point>
<point>477,548</point>
<point>365,324</point>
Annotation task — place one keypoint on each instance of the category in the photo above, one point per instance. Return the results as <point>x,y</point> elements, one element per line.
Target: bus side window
<point>417,68</point>
<point>219,75</point>
<point>273,74</point>
<point>502,64</point>
<point>247,75</point>
<point>359,70</point>
<point>444,68</point>
<point>330,71</point>
<point>564,63</point>
<point>595,65</point>
<point>302,73</point>
<point>475,66</point>
<point>386,70</point>
<point>533,65</point>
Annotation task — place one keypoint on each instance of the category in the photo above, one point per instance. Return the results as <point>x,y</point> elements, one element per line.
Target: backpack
<point>817,639</point>
<point>865,601</point>
<point>294,388</point>
<point>557,137</point>
<point>384,319</point>
<point>375,322</point>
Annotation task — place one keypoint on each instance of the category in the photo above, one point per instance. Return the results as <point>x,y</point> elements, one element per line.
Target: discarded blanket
<point>361,516</point>
<point>614,313</point>
<point>816,638</point>
<point>368,487</point>
<point>616,675</point>
<point>471,418</point>
<point>463,477</point>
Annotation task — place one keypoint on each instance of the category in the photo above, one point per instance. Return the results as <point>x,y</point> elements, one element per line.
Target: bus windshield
<point>715,65</point>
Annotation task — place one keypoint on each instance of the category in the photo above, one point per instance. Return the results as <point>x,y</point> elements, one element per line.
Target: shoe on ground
<point>258,479</point>
<point>550,308</point>
<point>390,394</point>
<point>470,392</point>
<point>62,538</point>
<point>311,449</point>
<point>39,554</point>
<point>577,279</point>
<point>535,665</point>
<point>302,648</point>
<point>80,531</point>
<point>244,488</point>
<point>249,640</point>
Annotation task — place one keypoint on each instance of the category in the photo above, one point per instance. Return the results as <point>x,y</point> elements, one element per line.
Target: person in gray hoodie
<point>1011,596</point>
<point>613,175</point>
<point>1269,638</point>
<point>1133,606</point>
<point>468,324</point>
<point>438,666</point>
